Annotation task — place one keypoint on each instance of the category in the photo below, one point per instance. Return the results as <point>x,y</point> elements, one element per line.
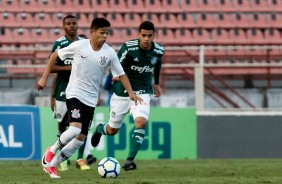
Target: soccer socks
<point>81,151</point>
<point>67,151</point>
<point>135,142</point>
<point>102,129</point>
<point>65,138</point>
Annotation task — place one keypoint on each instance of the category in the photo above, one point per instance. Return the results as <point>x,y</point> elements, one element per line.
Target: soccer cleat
<point>63,166</point>
<point>129,165</point>
<point>47,158</point>
<point>95,139</point>
<point>90,159</point>
<point>81,164</point>
<point>52,172</point>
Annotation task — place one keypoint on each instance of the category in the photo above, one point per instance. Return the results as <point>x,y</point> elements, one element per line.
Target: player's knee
<point>112,131</point>
<point>140,122</point>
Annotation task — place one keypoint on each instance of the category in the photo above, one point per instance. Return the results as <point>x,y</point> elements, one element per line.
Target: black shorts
<point>80,113</point>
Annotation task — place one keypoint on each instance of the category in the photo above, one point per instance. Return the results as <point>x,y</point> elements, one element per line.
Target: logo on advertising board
<point>19,133</point>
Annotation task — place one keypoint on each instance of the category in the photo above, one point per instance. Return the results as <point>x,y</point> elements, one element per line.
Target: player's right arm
<point>43,80</point>
<point>57,68</point>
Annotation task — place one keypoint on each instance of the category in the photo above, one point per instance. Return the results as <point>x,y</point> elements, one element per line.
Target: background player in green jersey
<point>141,59</point>
<point>58,97</point>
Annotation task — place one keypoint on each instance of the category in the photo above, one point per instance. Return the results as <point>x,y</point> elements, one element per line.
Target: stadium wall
<point>239,135</point>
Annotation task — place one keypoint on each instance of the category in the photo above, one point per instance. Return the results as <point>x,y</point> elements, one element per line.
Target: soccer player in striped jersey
<point>141,59</point>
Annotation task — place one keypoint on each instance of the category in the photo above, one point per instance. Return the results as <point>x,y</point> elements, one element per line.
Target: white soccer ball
<point>109,167</point>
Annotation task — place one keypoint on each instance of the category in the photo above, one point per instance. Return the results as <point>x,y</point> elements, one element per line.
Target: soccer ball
<point>108,167</point>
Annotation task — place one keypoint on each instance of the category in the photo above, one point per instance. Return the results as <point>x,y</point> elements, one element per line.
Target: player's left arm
<point>157,72</point>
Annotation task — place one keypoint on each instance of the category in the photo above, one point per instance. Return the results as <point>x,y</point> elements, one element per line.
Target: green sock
<point>102,129</point>
<point>81,151</point>
<point>135,142</point>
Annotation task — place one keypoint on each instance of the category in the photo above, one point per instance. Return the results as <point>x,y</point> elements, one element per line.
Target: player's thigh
<point>119,107</point>
<point>141,110</point>
<point>60,110</point>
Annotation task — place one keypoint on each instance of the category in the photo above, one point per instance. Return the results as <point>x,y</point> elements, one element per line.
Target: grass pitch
<point>217,171</point>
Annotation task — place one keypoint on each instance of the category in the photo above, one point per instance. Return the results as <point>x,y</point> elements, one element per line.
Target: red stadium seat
<point>272,36</point>
<point>119,6</point>
<point>8,20</point>
<point>255,36</point>
<point>83,20</point>
<point>184,37</point>
<point>154,6</point>
<point>41,36</point>
<point>136,6</point>
<point>10,6</point>
<point>165,37</point>
<point>190,6</point>
<point>82,6</point>
<point>116,20</point>
<point>224,6</point>
<point>275,5</point>
<point>260,5</point>
<point>25,20</point>
<point>275,20</point>
<point>7,36</point>
<point>29,6</point>
<point>223,20</point>
<point>240,20</point>
<point>115,37</point>
<point>154,18</point>
<point>171,6</point>
<point>46,6</point>
<point>57,19</point>
<point>128,34</point>
<point>43,20</point>
<point>132,20</point>
<point>101,6</point>
<point>185,20</point>
<point>202,37</point>
<point>220,37</point>
<point>207,5</point>
<point>242,6</point>
<point>169,20</point>
<point>54,34</point>
<point>64,6</point>
<point>238,37</point>
<point>258,20</point>
<point>22,36</point>
<point>205,20</point>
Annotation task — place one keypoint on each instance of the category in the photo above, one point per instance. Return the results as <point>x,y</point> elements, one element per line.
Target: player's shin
<point>135,142</point>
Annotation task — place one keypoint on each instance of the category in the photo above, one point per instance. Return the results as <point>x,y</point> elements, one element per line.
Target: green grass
<point>217,171</point>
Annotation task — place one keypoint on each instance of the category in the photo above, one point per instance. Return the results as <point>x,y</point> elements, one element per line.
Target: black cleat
<point>90,159</point>
<point>129,165</point>
<point>95,139</point>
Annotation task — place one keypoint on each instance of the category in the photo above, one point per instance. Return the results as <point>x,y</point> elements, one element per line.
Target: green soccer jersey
<point>139,66</point>
<point>62,77</point>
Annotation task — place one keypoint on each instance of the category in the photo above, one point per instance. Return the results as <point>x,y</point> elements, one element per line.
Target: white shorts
<point>60,110</point>
<point>120,106</point>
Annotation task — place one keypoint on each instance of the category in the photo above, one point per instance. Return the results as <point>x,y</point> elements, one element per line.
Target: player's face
<point>100,35</point>
<point>146,38</point>
<point>70,26</point>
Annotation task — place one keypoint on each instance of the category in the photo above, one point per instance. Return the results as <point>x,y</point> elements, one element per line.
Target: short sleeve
<point>116,68</point>
<point>67,52</point>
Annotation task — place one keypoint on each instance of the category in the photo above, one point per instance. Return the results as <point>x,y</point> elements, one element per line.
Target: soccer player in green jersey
<point>58,97</point>
<point>141,59</point>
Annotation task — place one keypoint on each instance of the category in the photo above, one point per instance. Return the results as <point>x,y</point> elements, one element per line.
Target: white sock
<point>88,146</point>
<point>67,151</point>
<point>65,138</point>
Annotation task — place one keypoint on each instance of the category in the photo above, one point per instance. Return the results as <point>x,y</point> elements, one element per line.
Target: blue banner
<point>20,133</point>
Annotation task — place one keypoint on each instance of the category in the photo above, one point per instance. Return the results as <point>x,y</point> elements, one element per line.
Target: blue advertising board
<point>20,133</point>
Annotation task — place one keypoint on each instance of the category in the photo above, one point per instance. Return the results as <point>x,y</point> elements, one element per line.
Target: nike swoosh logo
<point>83,56</point>
<point>43,160</point>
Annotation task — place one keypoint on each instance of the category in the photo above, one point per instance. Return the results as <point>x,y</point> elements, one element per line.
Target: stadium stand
<point>27,25</point>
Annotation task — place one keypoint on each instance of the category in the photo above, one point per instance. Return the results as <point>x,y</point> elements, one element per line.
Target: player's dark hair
<point>67,17</point>
<point>99,23</point>
<point>147,25</point>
